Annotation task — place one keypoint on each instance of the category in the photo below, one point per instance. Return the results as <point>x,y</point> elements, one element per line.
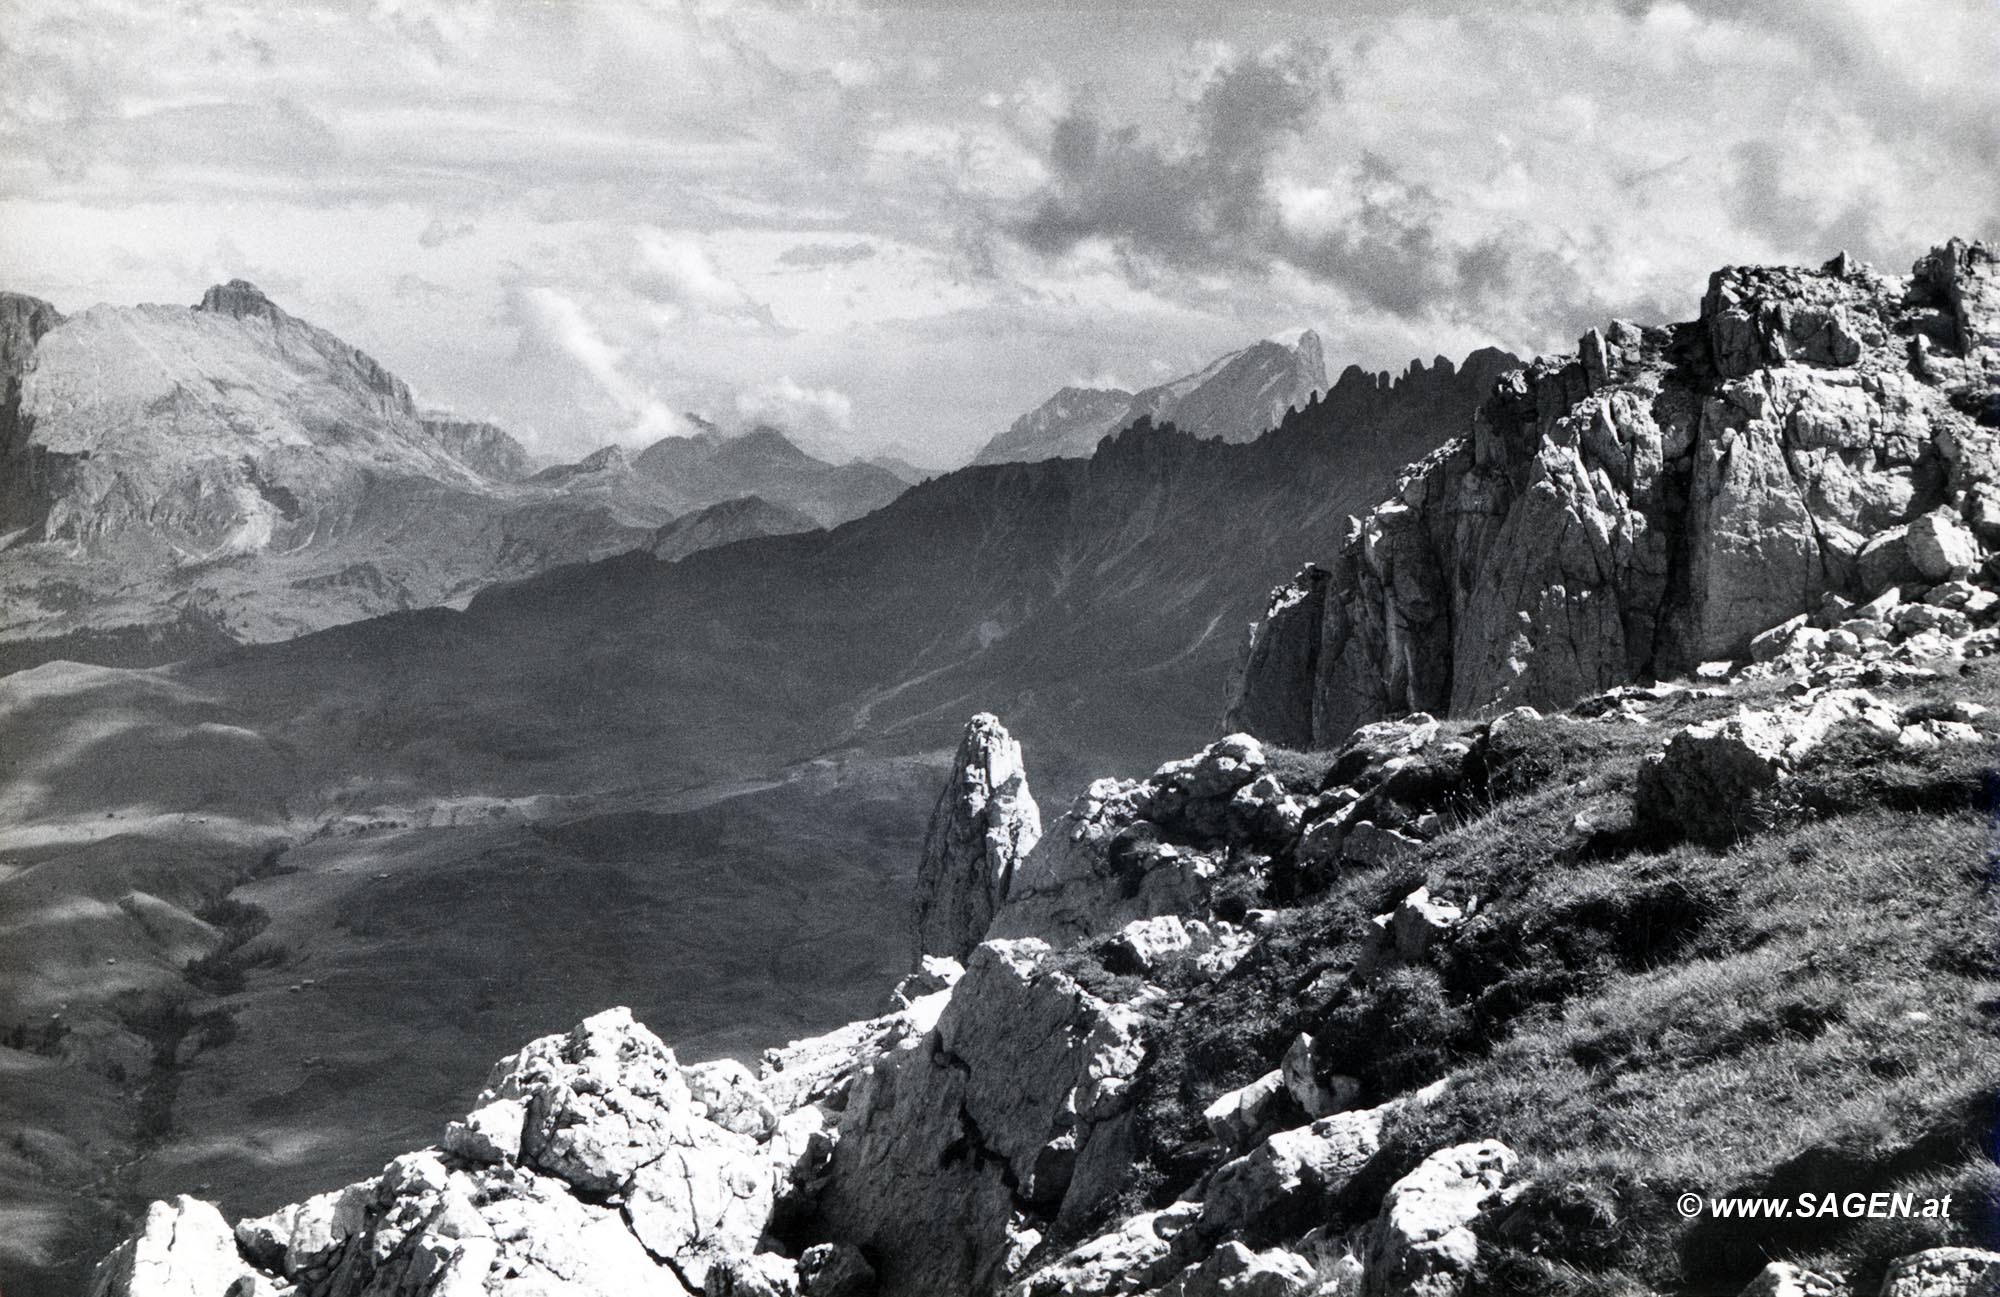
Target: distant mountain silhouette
<point>1237,397</point>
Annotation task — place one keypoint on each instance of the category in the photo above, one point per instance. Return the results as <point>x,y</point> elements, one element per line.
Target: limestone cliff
<point>1657,498</point>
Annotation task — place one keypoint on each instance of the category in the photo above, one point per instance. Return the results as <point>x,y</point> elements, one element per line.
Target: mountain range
<point>1237,397</point>
<point>181,479</point>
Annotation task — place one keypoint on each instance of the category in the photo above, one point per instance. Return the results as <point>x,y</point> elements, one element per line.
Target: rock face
<point>1656,499</point>
<point>1017,1104</point>
<point>1282,659</point>
<point>483,446</point>
<point>985,823</point>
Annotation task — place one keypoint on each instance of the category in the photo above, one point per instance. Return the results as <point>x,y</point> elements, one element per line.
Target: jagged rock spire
<point>984,824</point>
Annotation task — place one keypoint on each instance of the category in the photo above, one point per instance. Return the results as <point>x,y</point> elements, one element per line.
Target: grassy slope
<point>1808,1010</point>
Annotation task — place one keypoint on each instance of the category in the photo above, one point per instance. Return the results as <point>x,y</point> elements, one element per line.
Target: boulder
<point>1317,1090</point>
<point>1885,562</point>
<point>1218,770</point>
<point>985,823</point>
<point>1263,810</point>
<point>1290,1176</point>
<point>1942,547</point>
<point>1423,1245</point>
<point>1775,641</point>
<point>1418,921</point>
<point>1982,511</point>
<point>1135,1257</point>
<point>933,973</point>
<point>1233,1270</point>
<point>1940,1272</point>
<point>1916,618</point>
<point>727,1093</point>
<point>182,1248</point>
<point>1146,946</point>
<point>1716,779</point>
<point>1243,1114</point>
<point>1368,844</point>
<point>293,1239</point>
<point>489,1134</point>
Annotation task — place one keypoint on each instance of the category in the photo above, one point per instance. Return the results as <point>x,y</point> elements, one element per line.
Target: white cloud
<point>553,325</point>
<point>785,404</point>
<point>679,276</point>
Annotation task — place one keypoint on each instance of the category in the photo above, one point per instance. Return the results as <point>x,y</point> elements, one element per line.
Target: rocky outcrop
<point>183,1249</point>
<point>1423,1246</point>
<point>485,447</point>
<point>1272,689</point>
<point>1127,851</point>
<point>1654,500</point>
<point>1014,1111</point>
<point>984,824</point>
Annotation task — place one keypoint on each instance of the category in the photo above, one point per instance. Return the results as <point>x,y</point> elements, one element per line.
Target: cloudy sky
<point>898,226</point>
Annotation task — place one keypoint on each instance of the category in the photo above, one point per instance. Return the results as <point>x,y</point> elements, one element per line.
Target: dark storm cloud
<point>1211,204</point>
<point>1189,204</point>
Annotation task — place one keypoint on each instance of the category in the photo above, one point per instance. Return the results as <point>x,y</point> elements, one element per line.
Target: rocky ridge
<point>1656,499</point>
<point>1237,397</point>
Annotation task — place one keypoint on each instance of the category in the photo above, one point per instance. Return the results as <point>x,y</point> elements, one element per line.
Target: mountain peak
<point>240,298</point>
<point>771,441</point>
